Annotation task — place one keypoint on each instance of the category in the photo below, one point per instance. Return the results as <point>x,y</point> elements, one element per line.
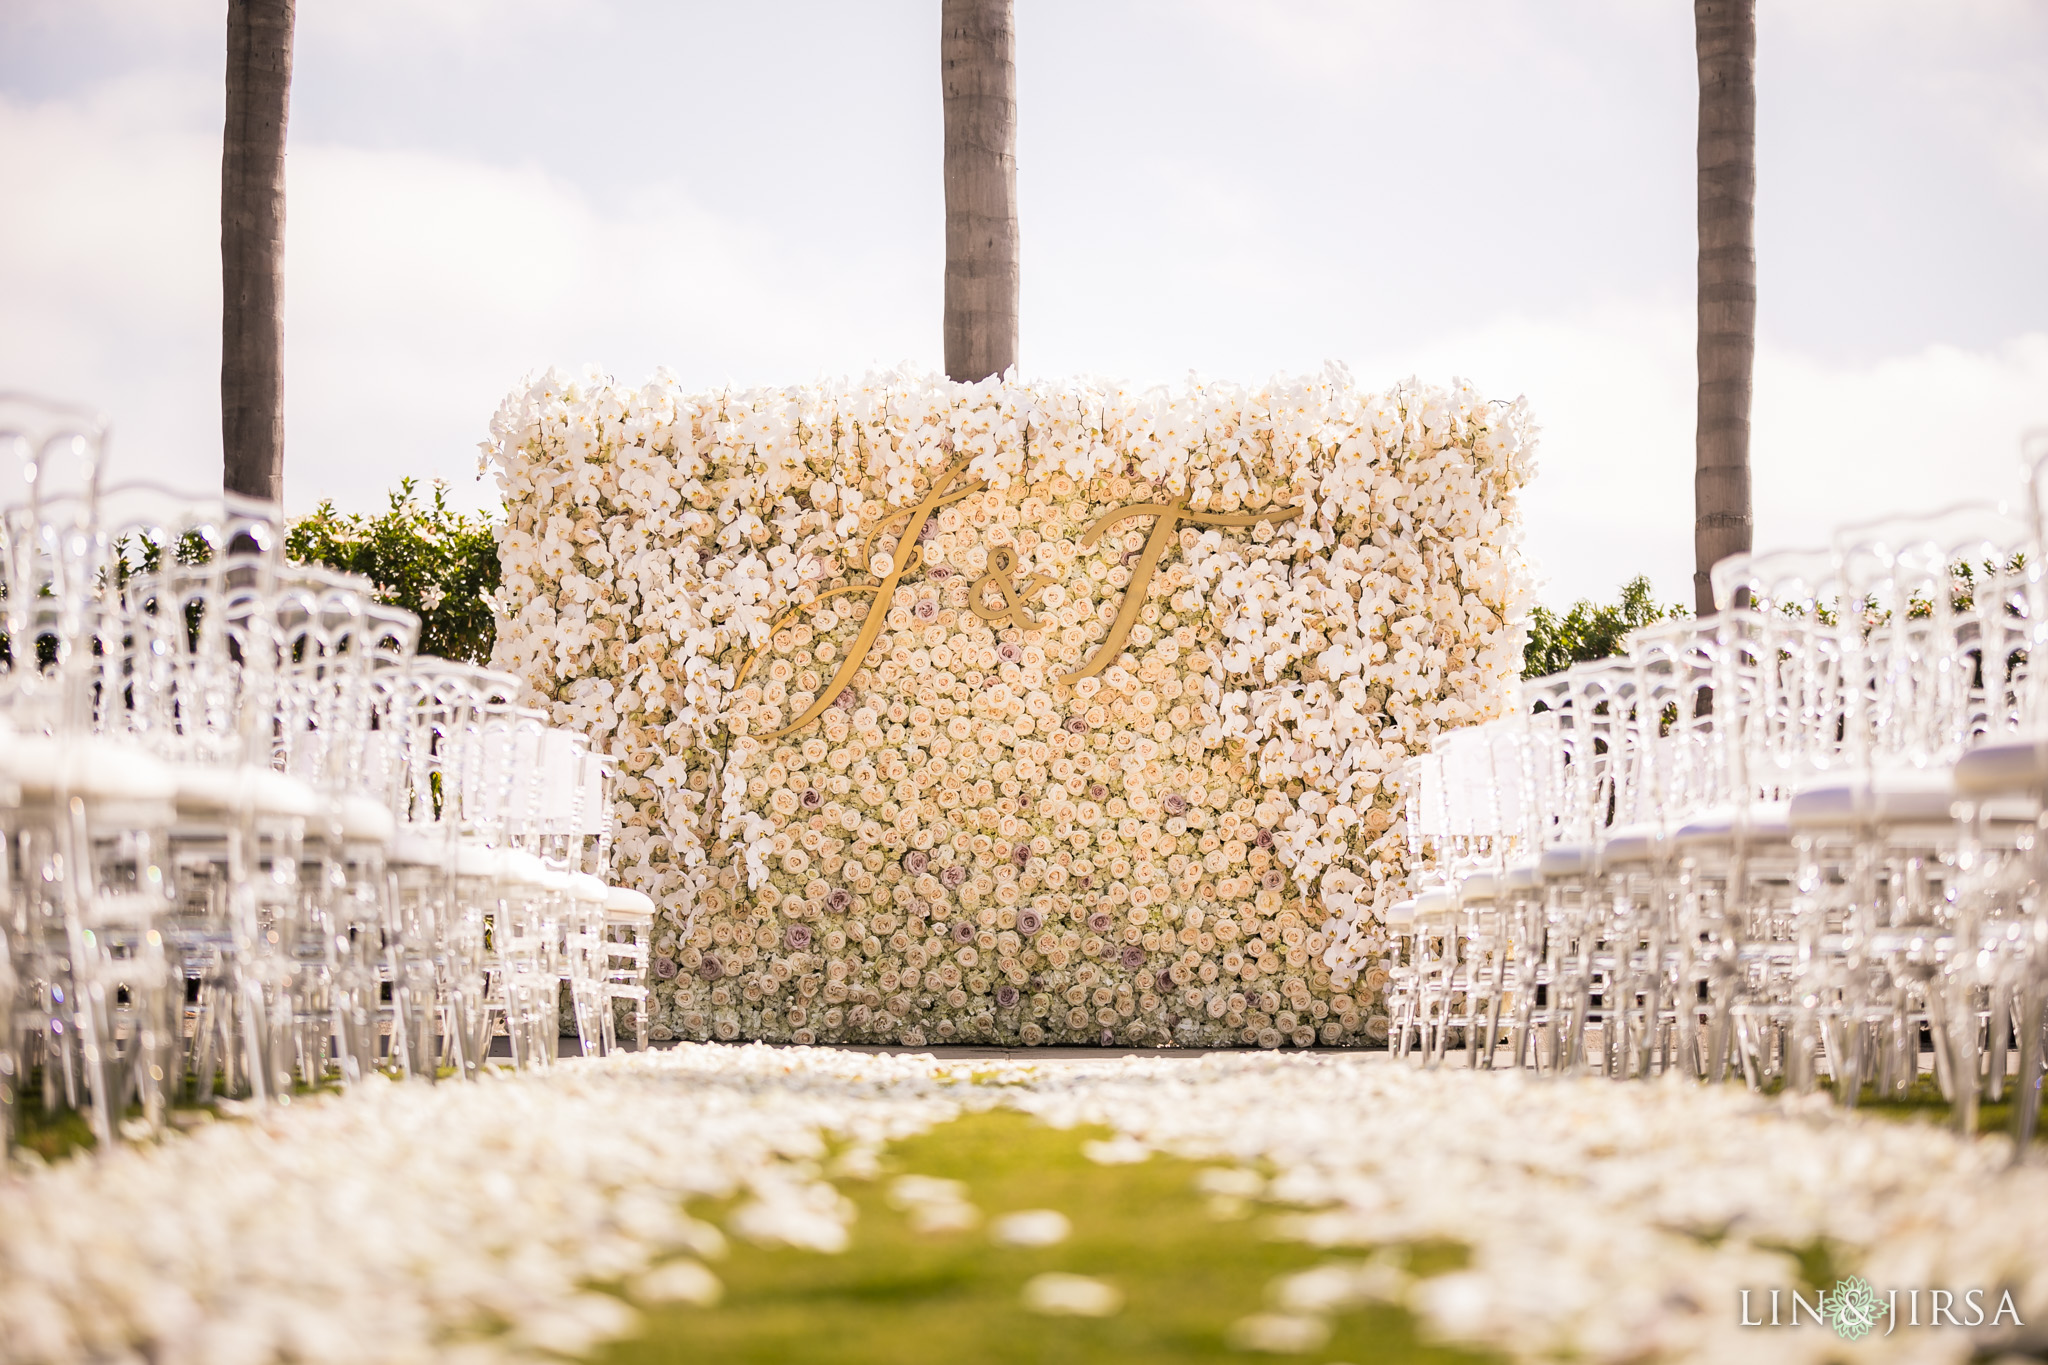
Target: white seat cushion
<point>1478,887</point>
<point>1435,903</point>
<point>625,901</point>
<point>205,790</point>
<point>484,864</point>
<point>90,766</point>
<point>1629,844</point>
<point>2009,766</point>
<point>516,867</point>
<point>423,845</point>
<point>1562,861</point>
<point>1761,822</point>
<point>1884,796</point>
<point>367,820</point>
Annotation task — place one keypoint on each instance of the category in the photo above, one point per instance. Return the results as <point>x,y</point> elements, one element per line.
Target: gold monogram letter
<point>1169,516</point>
<point>1002,564</point>
<point>908,556</point>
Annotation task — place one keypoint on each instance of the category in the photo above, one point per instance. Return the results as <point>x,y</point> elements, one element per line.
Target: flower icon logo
<point>1854,1308</point>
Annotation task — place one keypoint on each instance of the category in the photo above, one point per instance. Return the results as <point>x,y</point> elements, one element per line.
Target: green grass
<point>896,1297</point>
<point>50,1134</point>
<point>54,1134</point>
<point>1923,1103</point>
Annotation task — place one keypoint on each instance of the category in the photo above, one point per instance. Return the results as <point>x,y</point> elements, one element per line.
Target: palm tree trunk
<point>1725,37</point>
<point>252,247</point>
<point>978,65</point>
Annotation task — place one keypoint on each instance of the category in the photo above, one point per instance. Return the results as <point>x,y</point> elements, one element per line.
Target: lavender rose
<point>1009,653</point>
<point>665,968</point>
<point>1175,804</point>
<point>1100,921</point>
<point>710,968</point>
<point>963,932</point>
<point>1021,854</point>
<point>797,936</point>
<point>953,875</point>
<point>1134,957</point>
<point>838,900</point>
<point>1165,979</point>
<point>926,609</point>
<point>1006,995</point>
<point>1077,726</point>
<point>1029,922</point>
<point>812,798</point>
<point>916,861</point>
<point>1098,791</point>
<point>1265,839</point>
<point>1274,879</point>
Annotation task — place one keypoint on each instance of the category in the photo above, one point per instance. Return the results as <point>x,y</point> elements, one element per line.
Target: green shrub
<point>433,561</point>
<point>1590,631</point>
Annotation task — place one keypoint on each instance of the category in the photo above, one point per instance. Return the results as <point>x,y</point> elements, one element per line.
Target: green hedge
<point>440,564</point>
<point>1590,631</point>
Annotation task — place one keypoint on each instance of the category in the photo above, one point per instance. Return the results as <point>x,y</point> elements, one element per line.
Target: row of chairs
<point>255,842</point>
<point>1795,841</point>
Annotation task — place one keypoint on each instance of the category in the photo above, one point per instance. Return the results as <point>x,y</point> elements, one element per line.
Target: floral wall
<point>1014,712</point>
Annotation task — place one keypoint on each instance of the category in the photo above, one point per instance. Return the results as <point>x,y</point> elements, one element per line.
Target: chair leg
<point>2026,1100</point>
<point>1998,1027</point>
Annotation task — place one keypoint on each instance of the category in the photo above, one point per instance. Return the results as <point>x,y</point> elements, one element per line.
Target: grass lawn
<point>1187,1264</point>
<point>49,1134</point>
<point>1924,1103</point>
<point>55,1133</point>
<point>897,1296</point>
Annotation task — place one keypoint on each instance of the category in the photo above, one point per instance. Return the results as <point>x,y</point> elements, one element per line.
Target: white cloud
<point>1834,444</point>
<point>1486,191</point>
<point>1831,441</point>
<point>109,265</point>
<point>1612,391</point>
<point>431,284</point>
<point>418,289</point>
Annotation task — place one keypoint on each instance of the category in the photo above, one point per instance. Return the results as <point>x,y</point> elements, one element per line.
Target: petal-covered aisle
<point>1155,1208</point>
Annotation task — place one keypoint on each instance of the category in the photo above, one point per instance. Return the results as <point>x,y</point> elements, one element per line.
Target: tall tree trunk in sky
<point>978,65</point>
<point>1725,37</point>
<point>252,247</point>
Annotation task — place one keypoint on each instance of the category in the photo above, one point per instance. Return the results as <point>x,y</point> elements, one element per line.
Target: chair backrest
<point>1779,661</point>
<point>1932,661</point>
<point>1673,760</point>
<point>53,556</point>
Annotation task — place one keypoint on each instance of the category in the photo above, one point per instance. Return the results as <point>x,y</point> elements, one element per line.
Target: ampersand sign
<point>1002,562</point>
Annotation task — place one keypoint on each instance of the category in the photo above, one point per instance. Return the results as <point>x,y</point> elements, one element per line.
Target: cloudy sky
<point>1499,189</point>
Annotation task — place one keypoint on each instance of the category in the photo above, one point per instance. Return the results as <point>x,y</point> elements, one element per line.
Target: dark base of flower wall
<point>1256,1028</point>
<point>711,987</point>
<point>1349,1042</point>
